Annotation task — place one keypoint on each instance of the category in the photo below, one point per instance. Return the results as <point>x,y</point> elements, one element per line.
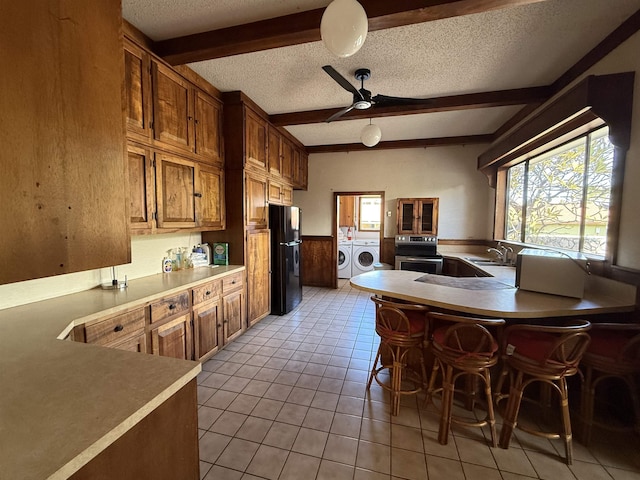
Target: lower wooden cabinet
<point>258,274</point>
<point>173,338</point>
<point>135,343</point>
<point>207,322</point>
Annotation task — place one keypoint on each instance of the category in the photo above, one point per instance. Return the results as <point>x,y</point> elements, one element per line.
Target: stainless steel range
<point>418,253</point>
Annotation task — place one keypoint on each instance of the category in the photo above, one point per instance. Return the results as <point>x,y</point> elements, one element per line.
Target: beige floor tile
<point>330,385</point>
<point>433,447</point>
<point>221,473</point>
<point>336,372</point>
<point>287,378</point>
<point>350,405</point>
<point>476,452</point>
<point>362,474</point>
<point>438,467</point>
<point>300,466</point>
<point>621,474</point>
<point>375,431</point>
<point>254,429</point>
<point>514,476</point>
<point>377,410</point>
<point>513,460</point>
<point>267,408</point>
<point>310,442</point>
<point>243,404</point>
<point>256,387</point>
<point>228,423</point>
<point>267,374</point>
<point>549,467</point>
<point>341,449</point>
<point>238,454</point>
<point>212,445</point>
<point>208,415</point>
<point>589,471</point>
<point>318,419</point>
<point>478,472</point>
<point>301,396</point>
<point>247,371</point>
<point>374,456</point>
<point>204,394</point>
<point>325,401</point>
<point>278,392</point>
<point>407,438</point>
<point>215,380</point>
<point>347,425</point>
<point>204,469</point>
<point>292,413</point>
<point>308,381</point>
<point>235,384</point>
<point>221,399</point>
<point>334,471</point>
<point>354,389</point>
<point>268,462</point>
<point>407,464</point>
<point>281,435</point>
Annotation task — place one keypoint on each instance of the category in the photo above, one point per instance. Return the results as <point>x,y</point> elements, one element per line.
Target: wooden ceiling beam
<point>304,27</point>
<point>501,98</point>
<point>390,145</point>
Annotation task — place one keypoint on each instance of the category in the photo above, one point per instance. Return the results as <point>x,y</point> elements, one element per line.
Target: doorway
<point>360,214</point>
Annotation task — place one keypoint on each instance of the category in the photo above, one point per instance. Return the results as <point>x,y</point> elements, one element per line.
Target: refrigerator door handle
<point>290,244</point>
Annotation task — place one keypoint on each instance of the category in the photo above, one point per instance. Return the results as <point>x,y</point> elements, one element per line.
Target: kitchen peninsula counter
<point>62,403</point>
<point>496,296</point>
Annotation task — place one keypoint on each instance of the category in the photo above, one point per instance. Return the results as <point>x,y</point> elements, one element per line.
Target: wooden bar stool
<point>539,353</point>
<point>401,327</point>
<point>614,352</point>
<point>462,347</point>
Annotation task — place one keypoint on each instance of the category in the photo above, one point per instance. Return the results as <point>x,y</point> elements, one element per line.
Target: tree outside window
<point>370,213</point>
<point>560,199</point>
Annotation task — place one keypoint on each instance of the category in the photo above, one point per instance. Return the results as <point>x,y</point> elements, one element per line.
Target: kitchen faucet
<point>503,253</point>
<point>500,254</point>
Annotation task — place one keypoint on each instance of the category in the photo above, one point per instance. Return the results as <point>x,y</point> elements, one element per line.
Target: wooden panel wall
<point>318,267</point>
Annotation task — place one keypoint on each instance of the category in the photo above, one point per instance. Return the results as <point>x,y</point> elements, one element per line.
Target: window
<point>370,212</point>
<point>560,199</point>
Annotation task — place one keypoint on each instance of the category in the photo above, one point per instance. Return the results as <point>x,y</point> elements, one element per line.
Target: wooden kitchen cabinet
<point>208,128</point>
<point>256,200</point>
<point>207,323</point>
<point>234,306</point>
<point>209,197</point>
<point>274,152</point>
<point>347,216</point>
<point>287,160</point>
<point>256,138</point>
<point>124,331</point>
<point>300,169</point>
<point>173,338</point>
<point>142,197</point>
<point>280,193</point>
<point>175,191</point>
<point>137,80</point>
<point>172,115</point>
<point>418,216</point>
<point>258,274</point>
<point>63,139</point>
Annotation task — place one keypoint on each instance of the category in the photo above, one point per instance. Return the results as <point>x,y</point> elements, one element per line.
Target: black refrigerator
<point>286,281</point>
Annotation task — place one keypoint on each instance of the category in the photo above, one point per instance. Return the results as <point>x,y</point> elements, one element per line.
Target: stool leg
<point>491,418</point>
<point>504,372</point>
<point>566,420</point>
<point>432,381</point>
<point>511,414</point>
<point>375,365</point>
<point>396,381</point>
<point>447,404</point>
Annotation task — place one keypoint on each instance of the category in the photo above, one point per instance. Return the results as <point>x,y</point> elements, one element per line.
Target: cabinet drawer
<point>167,307</point>
<point>206,292</point>
<point>231,282</point>
<point>116,328</point>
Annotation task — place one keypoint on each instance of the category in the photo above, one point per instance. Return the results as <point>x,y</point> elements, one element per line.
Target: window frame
<point>360,198</point>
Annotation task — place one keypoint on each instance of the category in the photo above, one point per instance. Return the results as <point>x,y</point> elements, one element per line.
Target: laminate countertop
<point>495,296</point>
<point>64,402</point>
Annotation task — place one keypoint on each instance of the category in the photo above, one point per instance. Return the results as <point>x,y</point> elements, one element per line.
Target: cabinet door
<point>137,343</point>
<point>256,198</point>
<point>258,275</point>
<point>274,152</point>
<point>172,117</point>
<point>427,221</point>
<point>347,211</point>
<point>173,338</point>
<point>300,168</point>
<point>141,188</point>
<point>210,206</point>
<point>287,160</point>
<point>137,84</point>
<point>206,322</point>
<point>275,192</point>
<point>406,216</point>
<point>287,195</point>
<point>234,311</point>
<point>175,191</point>
<point>256,141</point>
<point>208,127</point>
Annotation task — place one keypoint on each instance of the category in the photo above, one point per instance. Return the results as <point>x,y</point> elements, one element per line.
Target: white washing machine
<point>366,253</point>
<point>344,258</point>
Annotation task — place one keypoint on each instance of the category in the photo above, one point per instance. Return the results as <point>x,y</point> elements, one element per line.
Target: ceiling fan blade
<point>343,82</point>
<point>340,113</point>
<point>387,100</point>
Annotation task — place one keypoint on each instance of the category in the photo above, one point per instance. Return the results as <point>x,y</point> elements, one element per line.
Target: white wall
<point>449,173</point>
<point>147,253</point>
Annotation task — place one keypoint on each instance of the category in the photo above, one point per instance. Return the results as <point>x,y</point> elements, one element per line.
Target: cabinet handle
<point>199,195</point>
<point>172,307</point>
<point>225,321</point>
<point>233,282</point>
<point>118,328</point>
<point>219,325</point>
<point>207,292</point>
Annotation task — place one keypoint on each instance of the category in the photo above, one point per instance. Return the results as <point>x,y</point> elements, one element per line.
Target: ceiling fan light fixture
<point>371,135</point>
<point>344,27</point>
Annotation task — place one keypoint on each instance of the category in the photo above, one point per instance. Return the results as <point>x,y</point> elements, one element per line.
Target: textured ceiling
<point>514,47</point>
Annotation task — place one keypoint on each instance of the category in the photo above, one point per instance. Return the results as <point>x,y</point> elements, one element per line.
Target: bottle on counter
<point>349,233</point>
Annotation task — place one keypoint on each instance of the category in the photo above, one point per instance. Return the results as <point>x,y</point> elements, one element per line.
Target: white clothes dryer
<point>366,253</point>
<point>344,258</point>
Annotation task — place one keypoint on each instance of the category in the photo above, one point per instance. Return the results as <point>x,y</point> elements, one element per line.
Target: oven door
<point>419,264</point>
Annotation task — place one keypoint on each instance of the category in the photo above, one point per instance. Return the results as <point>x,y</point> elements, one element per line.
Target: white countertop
<point>498,297</point>
<point>63,402</point>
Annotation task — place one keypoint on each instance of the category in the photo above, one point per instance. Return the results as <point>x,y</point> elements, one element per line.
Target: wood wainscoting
<point>318,266</point>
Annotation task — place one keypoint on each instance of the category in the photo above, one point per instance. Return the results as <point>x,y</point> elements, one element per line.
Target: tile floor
<point>288,400</point>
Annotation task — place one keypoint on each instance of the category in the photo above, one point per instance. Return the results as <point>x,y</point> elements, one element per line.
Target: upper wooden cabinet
<point>209,196</point>
<point>255,141</point>
<point>165,110</point>
<point>274,152</point>
<point>300,169</point>
<point>256,199</point>
<point>63,142</point>
<point>418,215</point>
<point>142,199</point>
<point>347,215</point>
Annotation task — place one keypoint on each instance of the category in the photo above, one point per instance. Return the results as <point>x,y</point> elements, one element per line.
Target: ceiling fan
<point>362,99</point>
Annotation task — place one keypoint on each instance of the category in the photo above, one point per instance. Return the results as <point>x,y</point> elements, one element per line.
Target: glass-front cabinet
<point>418,215</point>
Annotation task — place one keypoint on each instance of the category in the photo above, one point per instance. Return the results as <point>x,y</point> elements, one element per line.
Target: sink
<point>485,261</point>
